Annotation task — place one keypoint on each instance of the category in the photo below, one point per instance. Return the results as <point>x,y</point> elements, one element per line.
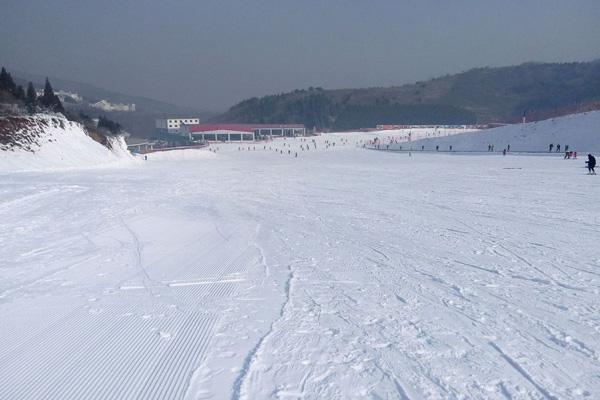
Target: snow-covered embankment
<point>47,142</point>
<point>580,131</point>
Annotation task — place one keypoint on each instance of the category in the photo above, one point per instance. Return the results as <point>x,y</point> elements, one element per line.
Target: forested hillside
<point>482,95</point>
<point>139,123</point>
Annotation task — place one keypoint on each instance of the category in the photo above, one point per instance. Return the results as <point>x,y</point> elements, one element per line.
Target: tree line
<point>481,95</point>
<point>48,101</point>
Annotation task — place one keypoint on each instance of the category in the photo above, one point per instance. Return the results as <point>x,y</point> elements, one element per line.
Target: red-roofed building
<point>240,132</point>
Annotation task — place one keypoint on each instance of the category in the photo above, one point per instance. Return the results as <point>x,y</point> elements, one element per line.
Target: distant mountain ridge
<point>480,95</point>
<point>139,123</point>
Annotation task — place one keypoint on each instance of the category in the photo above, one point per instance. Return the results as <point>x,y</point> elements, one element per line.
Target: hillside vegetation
<point>482,95</point>
<point>139,123</point>
<point>25,117</point>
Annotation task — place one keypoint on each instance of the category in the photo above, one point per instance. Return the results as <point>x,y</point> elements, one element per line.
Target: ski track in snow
<point>339,274</point>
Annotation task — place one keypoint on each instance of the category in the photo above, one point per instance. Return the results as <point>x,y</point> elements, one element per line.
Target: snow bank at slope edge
<point>180,154</point>
<point>580,131</point>
<point>48,142</point>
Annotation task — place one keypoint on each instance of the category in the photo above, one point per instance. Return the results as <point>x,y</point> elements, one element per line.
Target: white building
<point>240,132</point>
<point>108,106</point>
<point>64,96</point>
<point>172,126</point>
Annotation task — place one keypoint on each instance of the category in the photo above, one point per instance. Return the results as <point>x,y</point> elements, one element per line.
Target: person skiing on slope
<point>591,164</point>
<point>558,148</point>
<point>550,147</point>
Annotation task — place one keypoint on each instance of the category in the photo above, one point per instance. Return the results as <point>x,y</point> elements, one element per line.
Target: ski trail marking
<point>522,372</point>
<point>251,357</point>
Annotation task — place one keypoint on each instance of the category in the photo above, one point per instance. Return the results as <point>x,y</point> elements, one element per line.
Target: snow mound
<point>181,154</point>
<point>49,142</point>
<point>580,131</point>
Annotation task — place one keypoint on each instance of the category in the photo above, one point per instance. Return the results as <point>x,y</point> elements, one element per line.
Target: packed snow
<point>581,132</point>
<point>402,135</point>
<point>247,272</point>
<point>63,144</point>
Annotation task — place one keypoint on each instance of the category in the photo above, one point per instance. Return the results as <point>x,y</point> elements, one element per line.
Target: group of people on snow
<point>551,146</point>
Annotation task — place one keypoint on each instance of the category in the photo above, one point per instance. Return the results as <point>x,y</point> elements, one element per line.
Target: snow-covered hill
<point>580,131</point>
<point>46,142</point>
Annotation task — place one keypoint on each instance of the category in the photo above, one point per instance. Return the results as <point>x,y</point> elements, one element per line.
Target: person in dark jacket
<point>591,164</point>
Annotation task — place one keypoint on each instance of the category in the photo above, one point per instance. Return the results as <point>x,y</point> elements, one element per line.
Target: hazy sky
<point>210,54</point>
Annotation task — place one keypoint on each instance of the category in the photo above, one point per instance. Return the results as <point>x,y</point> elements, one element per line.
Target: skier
<point>591,164</point>
<point>558,148</point>
<point>508,148</point>
<point>437,148</point>
<point>550,148</point>
<point>503,152</point>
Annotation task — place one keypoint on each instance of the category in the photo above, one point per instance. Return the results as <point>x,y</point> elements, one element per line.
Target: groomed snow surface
<point>344,273</point>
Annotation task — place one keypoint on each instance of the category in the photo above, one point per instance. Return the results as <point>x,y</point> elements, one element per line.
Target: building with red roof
<point>240,132</point>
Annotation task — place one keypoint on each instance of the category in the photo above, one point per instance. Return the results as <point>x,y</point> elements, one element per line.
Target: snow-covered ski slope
<point>342,273</point>
<point>61,144</point>
<point>580,131</point>
<point>413,134</point>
